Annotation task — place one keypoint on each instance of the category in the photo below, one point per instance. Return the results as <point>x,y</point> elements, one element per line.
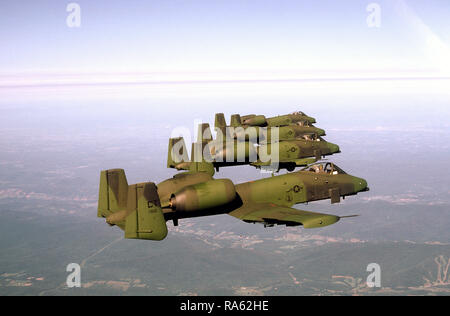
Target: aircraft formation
<point>273,143</point>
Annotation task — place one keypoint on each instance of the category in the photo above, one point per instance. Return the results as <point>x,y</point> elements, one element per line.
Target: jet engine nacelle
<point>257,120</point>
<point>235,152</point>
<point>205,195</point>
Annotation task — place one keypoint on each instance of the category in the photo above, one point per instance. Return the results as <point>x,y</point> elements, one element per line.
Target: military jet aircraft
<point>264,134</point>
<point>302,151</point>
<point>281,120</point>
<point>290,154</point>
<point>142,209</point>
<point>296,153</point>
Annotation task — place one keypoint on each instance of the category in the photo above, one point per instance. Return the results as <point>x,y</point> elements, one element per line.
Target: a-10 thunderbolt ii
<point>264,133</point>
<point>287,154</point>
<point>143,209</point>
<point>281,120</point>
<point>298,152</point>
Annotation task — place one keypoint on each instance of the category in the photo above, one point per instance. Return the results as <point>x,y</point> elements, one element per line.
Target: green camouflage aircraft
<point>142,209</point>
<point>301,151</point>
<point>264,134</point>
<point>281,120</point>
<point>296,153</point>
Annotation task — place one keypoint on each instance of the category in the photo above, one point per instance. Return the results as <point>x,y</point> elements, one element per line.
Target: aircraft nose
<point>361,185</point>
<point>334,148</point>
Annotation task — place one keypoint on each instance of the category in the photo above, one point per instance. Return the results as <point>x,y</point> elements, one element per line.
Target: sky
<point>221,40</point>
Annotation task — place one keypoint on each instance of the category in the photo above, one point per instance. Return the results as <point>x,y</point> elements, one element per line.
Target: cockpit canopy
<point>312,137</point>
<point>304,123</point>
<point>298,113</point>
<point>324,167</point>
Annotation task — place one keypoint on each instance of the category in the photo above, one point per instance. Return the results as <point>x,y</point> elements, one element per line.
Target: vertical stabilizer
<point>177,152</point>
<point>113,192</point>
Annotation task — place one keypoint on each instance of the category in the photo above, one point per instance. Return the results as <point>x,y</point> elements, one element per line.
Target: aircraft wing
<point>269,213</point>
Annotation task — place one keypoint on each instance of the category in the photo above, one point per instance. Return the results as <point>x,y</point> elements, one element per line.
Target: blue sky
<point>270,57</point>
<point>307,37</point>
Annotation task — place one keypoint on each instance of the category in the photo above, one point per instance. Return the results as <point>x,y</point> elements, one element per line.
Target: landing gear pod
<point>204,195</point>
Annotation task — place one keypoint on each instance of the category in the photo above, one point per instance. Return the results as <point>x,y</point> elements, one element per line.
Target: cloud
<point>16,193</point>
<point>435,49</point>
<point>404,199</point>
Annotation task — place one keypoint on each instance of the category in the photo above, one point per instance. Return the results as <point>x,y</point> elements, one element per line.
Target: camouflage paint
<point>266,201</point>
